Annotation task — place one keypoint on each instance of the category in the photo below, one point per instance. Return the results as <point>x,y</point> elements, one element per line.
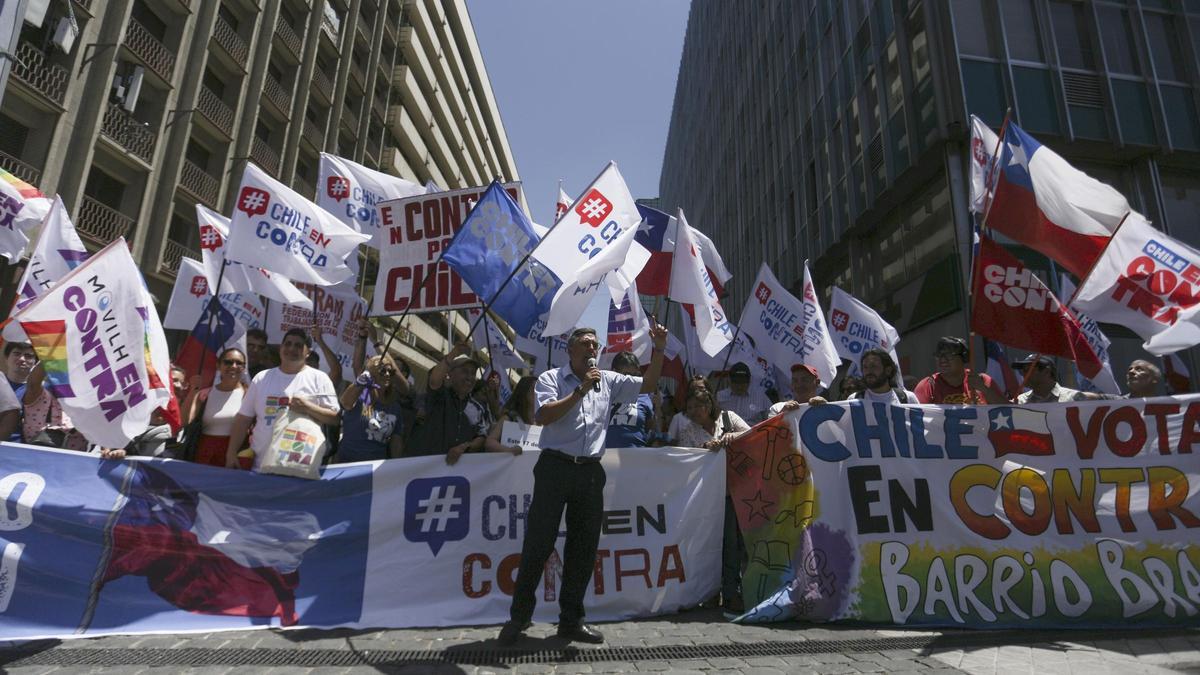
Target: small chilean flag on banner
<point>1050,206</point>
<point>1019,431</point>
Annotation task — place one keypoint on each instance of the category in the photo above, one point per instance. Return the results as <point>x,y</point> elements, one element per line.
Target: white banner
<point>1105,383</point>
<point>857,328</point>
<point>191,294</point>
<point>336,309</point>
<point>659,549</point>
<point>278,229</point>
<point>786,329</point>
<point>214,232</point>
<point>351,191</point>
<point>415,230</point>
<point>99,339</point>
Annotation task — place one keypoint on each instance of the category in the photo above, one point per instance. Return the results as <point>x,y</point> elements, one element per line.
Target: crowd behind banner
<point>311,382</point>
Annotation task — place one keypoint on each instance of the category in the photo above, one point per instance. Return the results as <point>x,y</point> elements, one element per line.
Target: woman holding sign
<point>518,410</point>
<point>371,426</point>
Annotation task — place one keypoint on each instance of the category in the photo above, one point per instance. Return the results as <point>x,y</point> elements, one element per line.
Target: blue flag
<point>493,241</point>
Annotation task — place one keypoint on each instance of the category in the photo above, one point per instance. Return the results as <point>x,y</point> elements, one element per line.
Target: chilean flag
<point>1019,431</point>
<point>198,355</point>
<point>999,368</point>
<point>1050,206</point>
<point>207,556</point>
<point>657,235</point>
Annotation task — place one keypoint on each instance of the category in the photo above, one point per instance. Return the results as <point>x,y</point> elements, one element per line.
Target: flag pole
<point>488,338</point>
<point>990,192</point>
<point>214,305</point>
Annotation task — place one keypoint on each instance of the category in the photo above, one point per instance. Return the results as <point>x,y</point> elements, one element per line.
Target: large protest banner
<point>1080,514</point>
<point>95,547</point>
<point>413,233</point>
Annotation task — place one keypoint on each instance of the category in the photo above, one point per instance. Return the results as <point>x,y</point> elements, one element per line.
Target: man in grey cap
<point>1043,382</point>
<point>455,422</point>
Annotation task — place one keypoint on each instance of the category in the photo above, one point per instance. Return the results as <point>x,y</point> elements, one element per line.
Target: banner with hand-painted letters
<point>1070,515</point>
<point>94,547</point>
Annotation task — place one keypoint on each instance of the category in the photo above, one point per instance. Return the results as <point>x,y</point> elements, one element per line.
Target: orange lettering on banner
<point>1162,505</point>
<point>1123,479</point>
<point>1069,502</point>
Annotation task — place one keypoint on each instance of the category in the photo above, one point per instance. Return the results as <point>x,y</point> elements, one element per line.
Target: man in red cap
<point>805,381</point>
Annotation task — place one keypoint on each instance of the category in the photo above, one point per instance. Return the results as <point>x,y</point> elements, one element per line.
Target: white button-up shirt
<point>581,431</point>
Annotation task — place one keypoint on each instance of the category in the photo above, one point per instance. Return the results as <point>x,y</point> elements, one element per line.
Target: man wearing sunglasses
<point>953,382</point>
<point>293,385</point>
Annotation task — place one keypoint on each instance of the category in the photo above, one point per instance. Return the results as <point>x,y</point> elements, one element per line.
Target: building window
<point>985,90</point>
<point>1133,110</point>
<point>1180,194</point>
<point>1164,47</point>
<point>1089,122</point>
<point>1182,121</point>
<point>1035,99</point>
<point>1073,35</point>
<point>975,28</point>
<point>1021,30</point>
<point>1119,45</point>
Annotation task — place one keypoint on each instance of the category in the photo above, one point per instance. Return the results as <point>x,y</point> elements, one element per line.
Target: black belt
<point>558,454</point>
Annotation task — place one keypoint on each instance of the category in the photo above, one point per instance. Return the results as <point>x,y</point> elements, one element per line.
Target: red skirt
<point>211,450</point>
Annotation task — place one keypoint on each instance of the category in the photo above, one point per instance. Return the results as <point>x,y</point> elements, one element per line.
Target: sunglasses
<point>232,362</point>
<point>387,371</point>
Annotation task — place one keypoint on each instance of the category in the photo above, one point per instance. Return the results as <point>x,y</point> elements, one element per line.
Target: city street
<point>694,641</point>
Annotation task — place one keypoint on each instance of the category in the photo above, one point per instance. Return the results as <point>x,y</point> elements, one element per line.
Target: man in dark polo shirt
<point>455,422</point>
<point>572,406</point>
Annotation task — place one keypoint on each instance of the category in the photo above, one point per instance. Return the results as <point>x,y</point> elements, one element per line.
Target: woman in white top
<point>216,407</point>
<point>705,427</point>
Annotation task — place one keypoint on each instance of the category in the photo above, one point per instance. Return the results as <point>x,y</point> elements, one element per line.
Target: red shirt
<point>934,389</point>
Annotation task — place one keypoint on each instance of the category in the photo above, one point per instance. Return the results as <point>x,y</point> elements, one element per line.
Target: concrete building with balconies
<point>397,85</point>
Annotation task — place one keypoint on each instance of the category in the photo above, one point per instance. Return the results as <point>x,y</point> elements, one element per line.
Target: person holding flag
<point>953,383</point>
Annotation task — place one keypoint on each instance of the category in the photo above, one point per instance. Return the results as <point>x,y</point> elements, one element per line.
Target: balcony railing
<point>215,111</point>
<point>288,36</point>
<point>199,183</point>
<point>313,133</point>
<point>129,133</point>
<point>26,172</point>
<point>277,95</point>
<point>147,48</point>
<point>101,223</point>
<point>231,42</point>
<point>32,68</point>
<point>322,85</point>
<point>173,252</point>
<point>349,119</point>
<point>380,109</point>
<point>264,156</point>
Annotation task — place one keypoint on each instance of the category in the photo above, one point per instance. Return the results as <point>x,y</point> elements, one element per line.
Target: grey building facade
<point>838,132</point>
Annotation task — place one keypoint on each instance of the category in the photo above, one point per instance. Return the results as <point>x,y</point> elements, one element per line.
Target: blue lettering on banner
<point>810,425</point>
<point>1166,256</point>
<point>291,242</point>
<point>888,431</point>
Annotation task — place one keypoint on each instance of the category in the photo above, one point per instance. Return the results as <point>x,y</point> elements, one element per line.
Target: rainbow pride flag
<point>22,188</point>
<point>49,339</point>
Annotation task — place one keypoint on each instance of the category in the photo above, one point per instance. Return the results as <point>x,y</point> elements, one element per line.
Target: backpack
<point>901,396</point>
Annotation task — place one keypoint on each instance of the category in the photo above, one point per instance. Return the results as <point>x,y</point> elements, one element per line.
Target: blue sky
<point>580,82</point>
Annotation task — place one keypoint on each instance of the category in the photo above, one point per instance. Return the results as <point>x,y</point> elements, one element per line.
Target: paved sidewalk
<point>695,641</point>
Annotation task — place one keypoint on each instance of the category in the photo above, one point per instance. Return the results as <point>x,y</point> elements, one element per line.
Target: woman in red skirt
<point>216,407</point>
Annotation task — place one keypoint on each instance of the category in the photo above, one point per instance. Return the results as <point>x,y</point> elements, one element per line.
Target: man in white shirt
<point>879,377</point>
<point>751,406</point>
<point>293,385</point>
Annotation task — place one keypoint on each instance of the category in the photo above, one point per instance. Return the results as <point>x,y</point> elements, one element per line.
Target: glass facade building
<point>838,132</point>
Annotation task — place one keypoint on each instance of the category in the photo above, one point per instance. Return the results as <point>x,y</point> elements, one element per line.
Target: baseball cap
<point>463,360</point>
<point>803,366</point>
<point>1041,359</point>
<point>739,369</point>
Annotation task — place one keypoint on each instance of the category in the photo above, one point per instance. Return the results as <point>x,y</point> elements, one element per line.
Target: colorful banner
<point>414,232</point>
<point>1053,515</point>
<point>95,547</point>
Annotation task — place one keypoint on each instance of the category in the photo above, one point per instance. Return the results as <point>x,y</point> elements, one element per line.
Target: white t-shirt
<point>692,435</point>
<point>269,393</point>
<point>751,406</point>
<point>888,397</point>
<point>220,410</point>
<point>8,399</point>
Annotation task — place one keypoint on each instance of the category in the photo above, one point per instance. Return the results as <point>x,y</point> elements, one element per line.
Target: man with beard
<point>879,378</point>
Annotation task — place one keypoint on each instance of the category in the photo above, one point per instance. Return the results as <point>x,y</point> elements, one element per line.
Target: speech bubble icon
<point>253,201</point>
<point>210,238</point>
<point>437,510</point>
<point>593,208</point>
<point>840,320</point>
<point>338,187</point>
<point>763,293</point>
<point>199,286</point>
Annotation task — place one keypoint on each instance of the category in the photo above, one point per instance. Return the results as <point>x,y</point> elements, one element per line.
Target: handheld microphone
<point>592,364</point>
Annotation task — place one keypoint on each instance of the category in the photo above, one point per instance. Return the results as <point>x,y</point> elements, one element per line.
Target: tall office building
<point>157,105</point>
<point>837,132</point>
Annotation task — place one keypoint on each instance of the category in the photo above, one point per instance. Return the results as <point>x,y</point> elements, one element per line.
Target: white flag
<point>488,336</point>
<point>350,191</point>
<point>103,350</point>
<point>548,351</point>
<point>1149,283</point>
<point>214,232</point>
<point>22,208</point>
<point>192,293</point>
<point>764,375</point>
<point>595,223</point>
<point>856,328</point>
<point>564,203</point>
<point>279,230</point>
<point>691,285</point>
<point>983,159</point>
<point>1105,382</point>
<point>789,330</point>
<point>57,252</point>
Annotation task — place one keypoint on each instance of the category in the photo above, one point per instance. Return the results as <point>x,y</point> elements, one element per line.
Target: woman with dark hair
<point>518,408</point>
<point>707,426</point>
<point>371,422</point>
<point>208,412</point>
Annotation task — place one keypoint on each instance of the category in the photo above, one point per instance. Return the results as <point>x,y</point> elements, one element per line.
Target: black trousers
<point>558,484</point>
